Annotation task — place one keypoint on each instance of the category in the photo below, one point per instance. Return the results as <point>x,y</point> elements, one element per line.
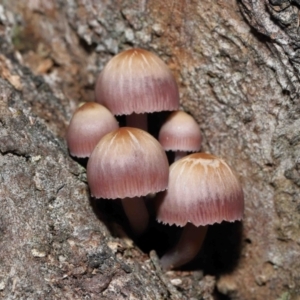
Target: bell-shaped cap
<point>202,190</point>
<point>127,162</point>
<point>180,132</point>
<point>90,122</point>
<point>137,81</point>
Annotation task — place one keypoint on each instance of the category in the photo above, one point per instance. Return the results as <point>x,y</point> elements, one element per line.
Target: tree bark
<point>236,64</point>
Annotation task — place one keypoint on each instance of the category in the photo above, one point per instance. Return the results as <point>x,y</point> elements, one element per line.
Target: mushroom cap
<point>127,162</point>
<point>202,190</point>
<point>137,81</point>
<point>90,122</point>
<point>180,132</point>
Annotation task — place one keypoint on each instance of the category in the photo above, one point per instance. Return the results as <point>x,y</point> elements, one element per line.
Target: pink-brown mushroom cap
<point>137,81</point>
<point>90,122</point>
<point>180,132</point>
<point>127,162</point>
<point>202,190</point>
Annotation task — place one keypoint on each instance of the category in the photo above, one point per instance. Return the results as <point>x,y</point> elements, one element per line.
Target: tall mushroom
<point>136,82</point>
<point>180,133</point>
<point>128,163</point>
<point>202,190</point>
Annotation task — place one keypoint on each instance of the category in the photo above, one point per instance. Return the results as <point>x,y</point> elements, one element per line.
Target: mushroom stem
<point>179,154</point>
<point>138,121</point>
<point>137,214</point>
<point>189,245</point>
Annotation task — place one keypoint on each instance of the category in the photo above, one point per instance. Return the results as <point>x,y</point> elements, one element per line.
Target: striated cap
<point>127,162</point>
<point>90,122</point>
<point>137,81</point>
<point>180,132</point>
<point>202,190</point>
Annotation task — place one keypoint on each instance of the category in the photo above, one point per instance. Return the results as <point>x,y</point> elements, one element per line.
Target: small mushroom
<point>180,133</point>
<point>128,163</point>
<point>136,82</point>
<point>202,190</point>
<point>90,122</point>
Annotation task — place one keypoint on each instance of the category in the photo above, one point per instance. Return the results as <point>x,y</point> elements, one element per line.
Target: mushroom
<point>180,133</point>
<point>128,163</point>
<point>202,190</point>
<point>89,123</point>
<point>136,82</point>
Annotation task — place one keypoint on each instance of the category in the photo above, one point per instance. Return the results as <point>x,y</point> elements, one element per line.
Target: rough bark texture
<point>237,67</point>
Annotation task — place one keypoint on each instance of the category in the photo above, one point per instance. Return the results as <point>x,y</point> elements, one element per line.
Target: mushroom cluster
<point>128,163</point>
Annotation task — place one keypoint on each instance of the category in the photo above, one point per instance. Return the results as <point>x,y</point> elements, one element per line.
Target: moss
<point>22,39</point>
<point>285,296</point>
